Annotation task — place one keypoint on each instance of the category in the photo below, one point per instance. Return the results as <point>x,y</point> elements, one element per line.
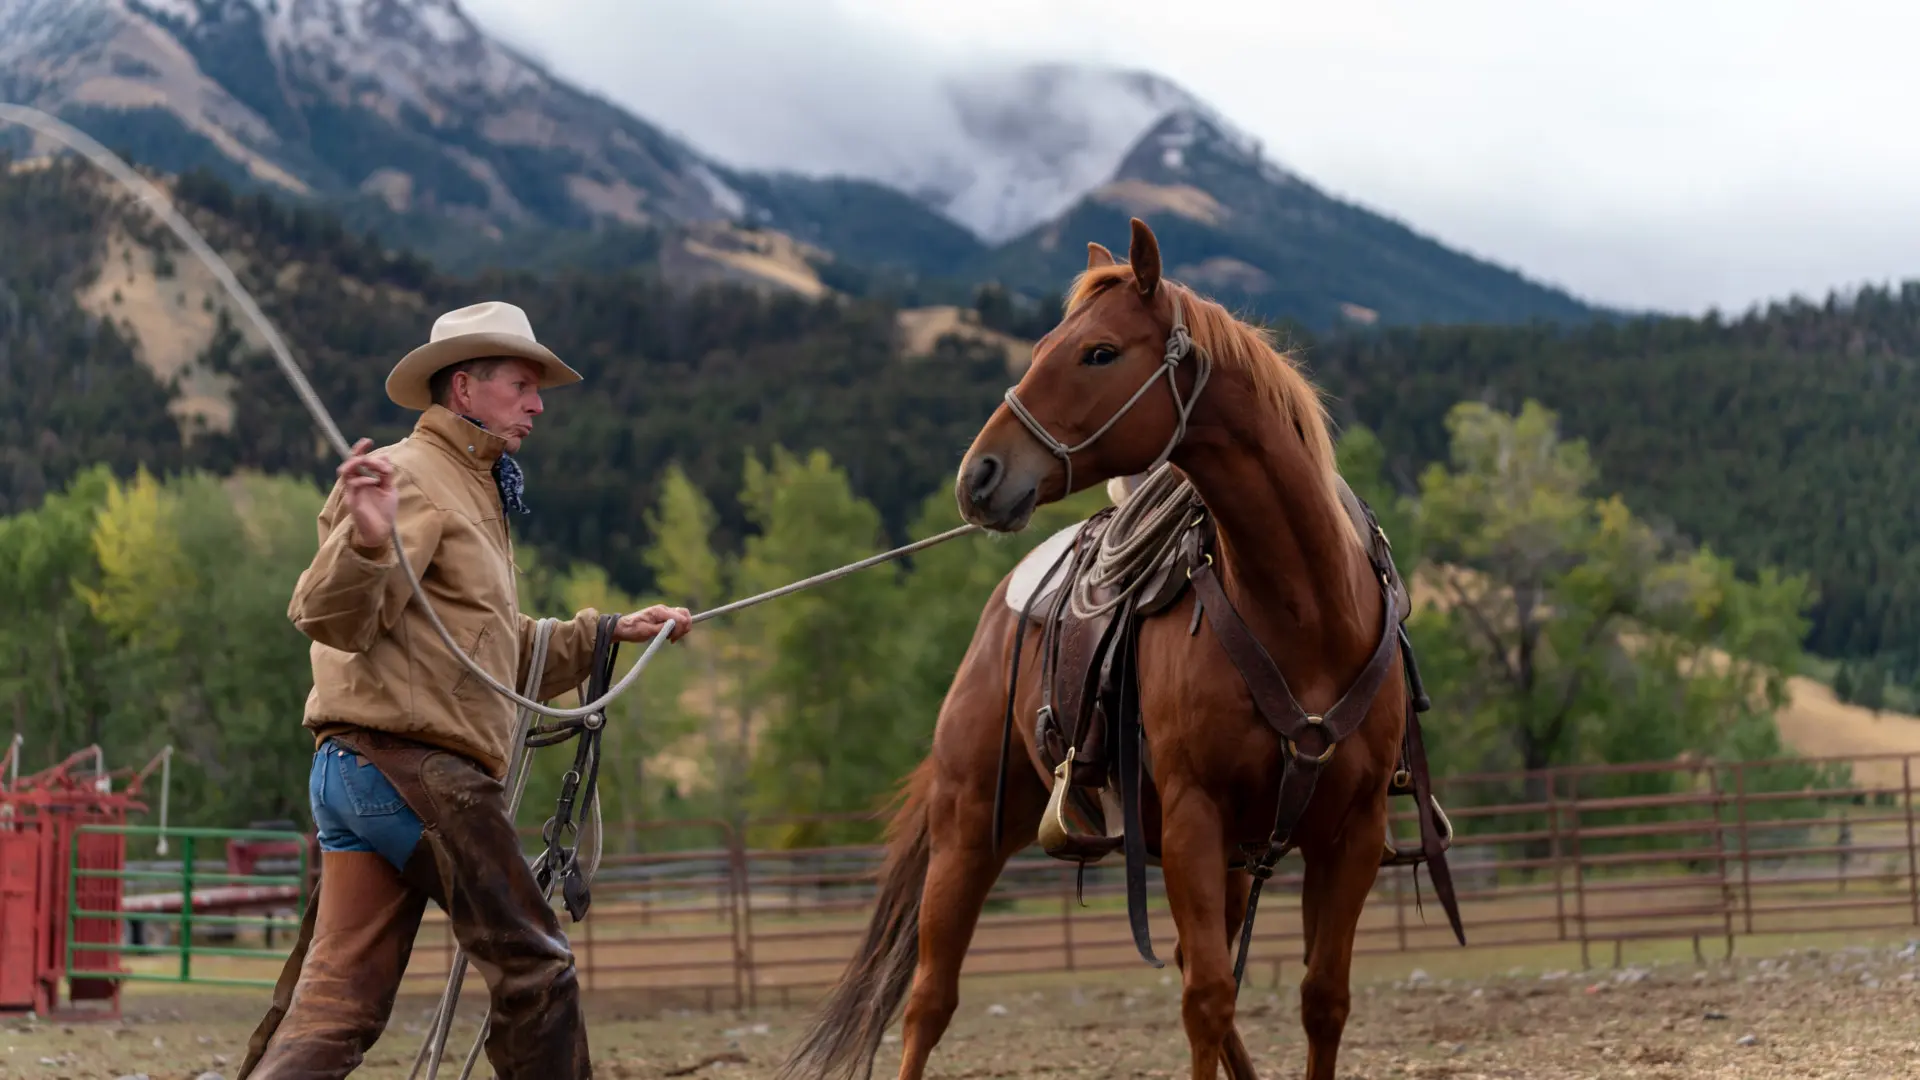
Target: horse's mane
<point>1250,351</point>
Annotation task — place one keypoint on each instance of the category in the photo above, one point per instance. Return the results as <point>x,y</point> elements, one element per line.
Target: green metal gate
<point>199,900</point>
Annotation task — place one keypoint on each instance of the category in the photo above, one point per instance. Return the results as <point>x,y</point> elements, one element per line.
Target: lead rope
<point>157,201</point>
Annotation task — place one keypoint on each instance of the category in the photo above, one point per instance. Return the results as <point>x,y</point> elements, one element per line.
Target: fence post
<point>1579,870</point>
<point>1555,852</point>
<point>742,918</point>
<point>1720,846</point>
<point>1066,916</point>
<point>1913,854</point>
<point>587,960</point>
<point>1746,849</point>
<point>186,908</point>
<point>1844,841</point>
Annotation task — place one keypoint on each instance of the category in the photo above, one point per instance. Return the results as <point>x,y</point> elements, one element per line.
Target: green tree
<point>1565,630</point>
<point>194,579</point>
<point>1362,460</point>
<point>834,730</point>
<point>1843,685</point>
<point>1870,686</point>
<point>57,657</point>
<point>690,573</point>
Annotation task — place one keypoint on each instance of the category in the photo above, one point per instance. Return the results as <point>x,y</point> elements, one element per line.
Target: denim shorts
<point>355,807</point>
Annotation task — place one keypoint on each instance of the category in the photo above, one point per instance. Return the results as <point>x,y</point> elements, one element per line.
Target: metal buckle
<point>1320,759</point>
<point>1208,556</point>
<point>1319,721</point>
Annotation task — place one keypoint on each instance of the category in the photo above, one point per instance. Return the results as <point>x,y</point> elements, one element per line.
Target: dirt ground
<point>1807,1013</point>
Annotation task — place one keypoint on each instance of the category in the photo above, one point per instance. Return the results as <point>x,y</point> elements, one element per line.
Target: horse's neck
<point>1288,559</point>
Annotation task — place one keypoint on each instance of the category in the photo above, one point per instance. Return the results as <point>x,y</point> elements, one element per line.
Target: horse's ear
<point>1144,255</point>
<point>1098,256</point>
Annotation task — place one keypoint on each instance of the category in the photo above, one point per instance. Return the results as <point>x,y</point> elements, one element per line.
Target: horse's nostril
<point>984,476</point>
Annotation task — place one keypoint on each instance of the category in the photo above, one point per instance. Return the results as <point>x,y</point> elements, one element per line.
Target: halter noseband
<point>1179,345</point>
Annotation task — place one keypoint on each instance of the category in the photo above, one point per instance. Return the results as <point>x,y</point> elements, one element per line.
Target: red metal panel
<point>97,851</point>
<point>20,916</point>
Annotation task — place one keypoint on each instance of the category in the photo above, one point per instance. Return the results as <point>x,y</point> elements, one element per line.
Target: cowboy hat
<point>481,330</point>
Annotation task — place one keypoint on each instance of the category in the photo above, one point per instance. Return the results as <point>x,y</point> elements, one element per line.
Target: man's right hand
<point>372,500</point>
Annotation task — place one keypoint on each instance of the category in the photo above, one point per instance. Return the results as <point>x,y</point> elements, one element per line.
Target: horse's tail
<point>846,1033</point>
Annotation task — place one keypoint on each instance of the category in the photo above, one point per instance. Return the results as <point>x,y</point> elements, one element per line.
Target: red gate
<point>38,818</point>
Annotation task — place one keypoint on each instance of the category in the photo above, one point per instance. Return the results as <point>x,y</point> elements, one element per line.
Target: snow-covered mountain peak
<point>1026,144</point>
<point>1009,148</point>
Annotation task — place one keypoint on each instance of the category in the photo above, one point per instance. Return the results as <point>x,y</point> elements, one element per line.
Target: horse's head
<point>1087,408</point>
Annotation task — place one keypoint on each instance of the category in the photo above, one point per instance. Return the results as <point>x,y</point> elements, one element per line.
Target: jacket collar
<point>477,447</point>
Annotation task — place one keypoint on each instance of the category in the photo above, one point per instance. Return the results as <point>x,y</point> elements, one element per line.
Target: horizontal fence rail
<point>1598,858</point>
<point>121,908</point>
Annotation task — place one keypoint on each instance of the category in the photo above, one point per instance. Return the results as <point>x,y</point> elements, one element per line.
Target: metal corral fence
<point>707,916</point>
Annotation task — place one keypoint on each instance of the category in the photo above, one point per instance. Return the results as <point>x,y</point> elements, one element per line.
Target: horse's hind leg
<point>1338,880</point>
<point>964,863</point>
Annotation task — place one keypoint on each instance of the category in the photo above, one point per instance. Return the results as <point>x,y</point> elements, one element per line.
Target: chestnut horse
<point>1249,432</point>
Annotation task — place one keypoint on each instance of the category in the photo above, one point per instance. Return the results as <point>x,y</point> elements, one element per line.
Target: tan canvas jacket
<point>377,662</point>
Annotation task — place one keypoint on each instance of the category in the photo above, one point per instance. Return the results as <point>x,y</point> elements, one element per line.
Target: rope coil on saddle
<point>1144,532</point>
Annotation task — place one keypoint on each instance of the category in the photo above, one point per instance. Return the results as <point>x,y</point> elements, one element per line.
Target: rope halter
<point>1179,345</point>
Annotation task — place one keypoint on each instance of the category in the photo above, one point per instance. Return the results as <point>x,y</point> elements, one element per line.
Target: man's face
<point>506,400</point>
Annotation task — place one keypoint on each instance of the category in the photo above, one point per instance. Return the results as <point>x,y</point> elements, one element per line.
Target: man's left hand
<point>644,625</point>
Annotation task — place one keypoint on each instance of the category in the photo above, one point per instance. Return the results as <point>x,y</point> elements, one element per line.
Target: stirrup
<point>1397,856</point>
<point>1056,837</point>
<point>1054,834</point>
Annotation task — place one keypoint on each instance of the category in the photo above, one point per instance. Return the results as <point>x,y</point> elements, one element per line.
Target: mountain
<point>408,119</point>
<point>1778,439</point>
<point>1005,149</point>
<point>1259,237</point>
<point>402,100</point>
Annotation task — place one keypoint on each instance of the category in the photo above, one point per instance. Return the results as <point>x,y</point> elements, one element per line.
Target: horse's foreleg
<point>1337,882</point>
<point>1194,865</point>
<point>1234,1054</point>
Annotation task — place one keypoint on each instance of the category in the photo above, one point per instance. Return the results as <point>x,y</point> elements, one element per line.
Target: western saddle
<point>1086,590</point>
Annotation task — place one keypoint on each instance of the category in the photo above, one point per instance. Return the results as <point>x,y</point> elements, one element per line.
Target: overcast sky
<point>1674,155</point>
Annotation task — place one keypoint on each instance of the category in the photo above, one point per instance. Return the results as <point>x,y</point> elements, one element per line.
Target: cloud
<point>755,84</point>
<point>1641,153</point>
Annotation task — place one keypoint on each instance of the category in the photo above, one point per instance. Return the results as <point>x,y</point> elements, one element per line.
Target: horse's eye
<point>1100,356</point>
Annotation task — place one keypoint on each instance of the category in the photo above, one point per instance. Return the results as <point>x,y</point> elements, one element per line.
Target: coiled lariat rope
<point>1142,535</point>
<point>158,202</point>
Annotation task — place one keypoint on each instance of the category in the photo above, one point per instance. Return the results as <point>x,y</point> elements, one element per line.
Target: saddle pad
<point>1026,576</point>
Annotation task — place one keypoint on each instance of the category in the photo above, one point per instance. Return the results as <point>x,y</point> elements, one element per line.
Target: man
<point>411,748</point>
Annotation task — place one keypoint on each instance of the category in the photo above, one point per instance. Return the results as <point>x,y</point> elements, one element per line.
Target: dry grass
<point>922,328</point>
<point>1142,199</point>
<point>764,256</point>
<point>172,321</point>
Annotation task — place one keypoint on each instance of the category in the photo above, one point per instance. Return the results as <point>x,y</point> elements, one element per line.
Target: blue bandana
<point>507,477</point>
